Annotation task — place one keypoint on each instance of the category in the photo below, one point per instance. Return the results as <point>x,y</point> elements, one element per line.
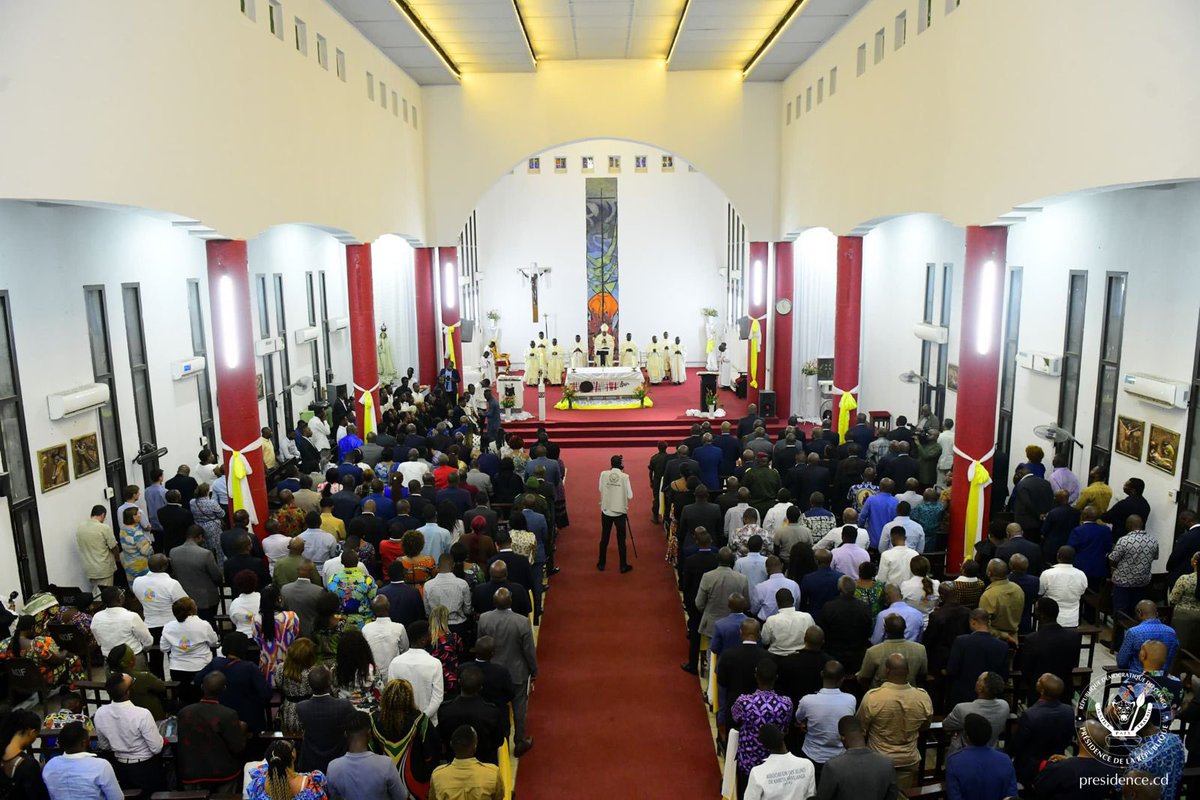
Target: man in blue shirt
<point>763,602</point>
<point>820,714</point>
<point>156,498</point>
<point>819,586</point>
<point>878,511</point>
<point>979,772</point>
<point>1092,542</point>
<point>754,564</point>
<point>1150,629</point>
<point>78,773</point>
<point>914,620</point>
<point>727,631</point>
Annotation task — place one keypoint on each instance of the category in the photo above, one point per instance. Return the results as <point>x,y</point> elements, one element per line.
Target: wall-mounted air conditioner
<point>339,323</point>
<point>265,347</point>
<point>186,367</point>
<point>77,400</point>
<point>1159,391</point>
<point>1044,363</point>
<point>308,334</point>
<point>926,332</point>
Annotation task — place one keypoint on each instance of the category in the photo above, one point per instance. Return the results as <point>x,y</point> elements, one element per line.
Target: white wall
<point>997,104</point>
<point>194,109</point>
<point>671,243</point>
<point>47,254</point>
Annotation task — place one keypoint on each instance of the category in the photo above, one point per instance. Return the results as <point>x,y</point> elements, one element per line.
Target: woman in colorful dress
<point>275,629</point>
<point>355,676</point>
<point>277,779</point>
<point>417,568</point>
<point>446,646</point>
<point>867,589</point>
<point>57,668</point>
<point>207,513</point>
<point>292,680</point>
<point>524,543</point>
<point>404,734</point>
<point>136,547</point>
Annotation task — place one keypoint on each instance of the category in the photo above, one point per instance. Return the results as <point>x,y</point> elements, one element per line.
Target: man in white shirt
<point>449,590</point>
<point>320,432</point>
<point>131,734</point>
<point>914,533</point>
<point>157,591</point>
<point>945,440</point>
<point>834,538</point>
<point>894,562</point>
<point>616,491</point>
<point>782,776</point>
<point>783,632</point>
<point>414,469</point>
<point>848,555</point>
<point>777,514</point>
<point>1066,584</point>
<point>422,671</point>
<point>386,637</point>
<point>115,624</point>
<point>911,494</point>
<point>275,545</point>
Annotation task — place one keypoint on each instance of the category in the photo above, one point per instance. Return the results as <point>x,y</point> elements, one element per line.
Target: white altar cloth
<point>605,381</point>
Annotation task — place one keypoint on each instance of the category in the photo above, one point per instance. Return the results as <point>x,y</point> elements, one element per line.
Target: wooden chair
<point>1089,636</point>
<point>93,694</point>
<point>74,641</point>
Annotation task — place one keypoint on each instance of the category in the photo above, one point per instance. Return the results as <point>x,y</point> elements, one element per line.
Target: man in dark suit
<point>817,477</point>
<point>301,596</point>
<point>800,672</point>
<point>1051,648</point>
<point>849,472</point>
<point>1045,728</point>
<point>345,502</point>
<point>1186,546</point>
<point>694,438</point>
<point>323,717</point>
<point>1032,499</point>
<point>371,450</point>
<point>482,595</point>
<point>1058,524</point>
<point>516,652</point>
<point>469,708</point>
<point>674,467</point>
<point>694,567</point>
<point>497,683</point>
<point>518,567</point>
<point>184,483</point>
<point>211,740</point>
<point>847,623</point>
<point>862,433</point>
<point>731,450</point>
<point>195,567</point>
<point>747,424</point>
<point>903,466</point>
<point>481,509</point>
<point>973,654</point>
<point>1018,543</point>
<point>241,528</point>
<point>709,457</point>
<point>368,525</point>
<point>405,603</point>
<point>736,667</point>
<point>174,519</point>
<point>246,690</point>
<point>455,494</point>
<point>243,559</point>
<point>700,514</point>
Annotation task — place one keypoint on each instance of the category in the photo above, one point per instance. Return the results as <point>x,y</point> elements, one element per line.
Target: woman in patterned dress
<point>417,568</point>
<point>277,779</point>
<point>208,515</point>
<point>136,547</point>
<point>292,680</point>
<point>355,676</point>
<point>402,733</point>
<point>274,639</point>
<point>446,646</point>
<point>57,667</point>
<point>867,589</point>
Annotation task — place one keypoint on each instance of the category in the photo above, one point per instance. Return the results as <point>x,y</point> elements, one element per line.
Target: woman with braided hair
<point>277,779</point>
<point>402,733</point>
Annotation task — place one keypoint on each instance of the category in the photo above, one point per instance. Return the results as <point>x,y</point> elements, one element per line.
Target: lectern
<point>708,385</point>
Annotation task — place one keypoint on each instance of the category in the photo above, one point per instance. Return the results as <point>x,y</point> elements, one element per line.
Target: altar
<point>605,387</point>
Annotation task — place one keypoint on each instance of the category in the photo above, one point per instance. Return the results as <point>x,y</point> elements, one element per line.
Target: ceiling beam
<point>403,7</point>
<point>773,36</point>
<point>687,4</point>
<point>525,32</point>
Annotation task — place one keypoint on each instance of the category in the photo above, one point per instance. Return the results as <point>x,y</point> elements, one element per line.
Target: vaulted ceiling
<point>431,39</point>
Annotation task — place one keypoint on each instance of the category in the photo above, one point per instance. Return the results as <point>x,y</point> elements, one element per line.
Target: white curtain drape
<point>815,304</point>
<point>395,304</point>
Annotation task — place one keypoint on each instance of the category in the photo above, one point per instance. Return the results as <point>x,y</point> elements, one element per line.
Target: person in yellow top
<point>1003,600</point>
<point>1097,493</point>
<point>466,776</point>
<point>331,524</point>
<point>268,449</point>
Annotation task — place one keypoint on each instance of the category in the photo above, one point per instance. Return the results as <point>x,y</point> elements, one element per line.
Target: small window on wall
<point>587,163</point>
<point>880,44</point>
<point>820,91</point>
<point>370,86</point>
<point>395,105</point>
<point>862,60</point>
<point>301,30</point>
<point>668,163</point>
<point>404,104</point>
<point>340,59</point>
<point>614,163</point>
<point>788,118</point>
<point>901,29</point>
<point>639,163</point>
<point>535,166</point>
<point>383,94</point>
<point>808,99</point>
<point>275,18</point>
<point>951,5</point>
<point>833,82</point>
<point>248,9</point>
<point>322,52</point>
<point>799,103</point>
<point>414,116</point>
<point>924,15</point>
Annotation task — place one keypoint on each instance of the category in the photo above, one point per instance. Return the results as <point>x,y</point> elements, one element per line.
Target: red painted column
<point>757,276</point>
<point>451,300</point>
<point>360,294</point>
<point>232,361</point>
<point>978,380</point>
<point>427,329</point>
<point>781,359</point>
<point>847,331</point>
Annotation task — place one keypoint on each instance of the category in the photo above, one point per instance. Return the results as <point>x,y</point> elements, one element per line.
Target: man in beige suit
<point>712,598</point>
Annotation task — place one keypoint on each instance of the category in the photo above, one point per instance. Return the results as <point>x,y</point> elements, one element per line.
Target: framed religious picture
<point>52,466</point>
<point>614,164</point>
<point>560,164</point>
<point>535,166</point>
<point>1131,434</point>
<point>639,163</point>
<point>952,377</point>
<point>668,163</point>
<point>85,454</point>
<point>587,164</point>
<point>1163,452</point>
<point>258,386</point>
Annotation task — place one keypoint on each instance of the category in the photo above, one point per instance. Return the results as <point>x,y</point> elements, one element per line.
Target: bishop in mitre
<point>533,364</point>
<point>603,346</point>
<point>554,363</point>
<point>655,361</point>
<point>629,352</point>
<point>578,353</point>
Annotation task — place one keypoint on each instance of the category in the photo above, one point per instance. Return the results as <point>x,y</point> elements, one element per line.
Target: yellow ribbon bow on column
<point>240,471</point>
<point>449,329</point>
<point>846,404</point>
<point>368,403</point>
<point>755,335</point>
<point>978,479</point>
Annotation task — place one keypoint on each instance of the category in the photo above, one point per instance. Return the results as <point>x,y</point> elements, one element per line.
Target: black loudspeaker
<point>467,330</point>
<point>766,404</point>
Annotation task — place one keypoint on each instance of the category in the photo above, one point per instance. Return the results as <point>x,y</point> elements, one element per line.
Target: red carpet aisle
<point>613,716</point>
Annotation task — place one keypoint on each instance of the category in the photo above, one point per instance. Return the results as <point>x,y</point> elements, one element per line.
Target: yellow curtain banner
<point>755,335</point>
<point>978,479</point>
<point>368,403</point>
<point>449,329</point>
<point>845,406</point>
<point>240,470</point>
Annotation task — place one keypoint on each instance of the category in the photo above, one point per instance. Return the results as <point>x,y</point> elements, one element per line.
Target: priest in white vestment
<point>554,363</point>
<point>724,366</point>
<point>578,353</point>
<point>533,364</point>
<point>678,356</point>
<point>487,367</point>
<point>630,356</point>
<point>655,361</point>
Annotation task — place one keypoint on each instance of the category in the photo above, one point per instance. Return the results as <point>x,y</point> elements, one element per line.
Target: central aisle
<point>613,715</point>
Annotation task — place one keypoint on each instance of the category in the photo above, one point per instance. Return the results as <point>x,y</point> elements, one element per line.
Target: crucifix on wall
<point>532,275</point>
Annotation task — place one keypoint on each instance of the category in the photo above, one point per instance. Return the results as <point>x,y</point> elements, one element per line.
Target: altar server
<point>678,369</point>
<point>629,352</point>
<point>724,366</point>
<point>655,360</point>
<point>533,364</point>
<point>554,363</point>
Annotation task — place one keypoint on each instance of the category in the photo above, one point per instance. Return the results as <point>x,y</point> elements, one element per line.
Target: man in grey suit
<point>553,476</point>
<point>515,651</point>
<point>371,450</point>
<point>195,567</point>
<point>712,598</point>
<point>301,596</point>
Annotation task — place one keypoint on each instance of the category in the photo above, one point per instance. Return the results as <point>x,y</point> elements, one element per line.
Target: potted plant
<point>640,393</point>
<point>810,391</point>
<point>711,403</point>
<point>508,403</point>
<point>568,394</point>
<point>708,312</point>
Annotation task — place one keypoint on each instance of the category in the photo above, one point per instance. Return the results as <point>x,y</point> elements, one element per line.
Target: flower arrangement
<point>508,402</point>
<point>568,394</point>
<point>809,368</point>
<point>711,403</point>
<point>493,315</point>
<point>640,394</point>
<point>708,312</point>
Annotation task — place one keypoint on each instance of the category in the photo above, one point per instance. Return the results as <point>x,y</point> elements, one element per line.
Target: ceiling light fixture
<point>773,36</point>
<point>525,31</point>
<point>687,4</point>
<point>424,33</point>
